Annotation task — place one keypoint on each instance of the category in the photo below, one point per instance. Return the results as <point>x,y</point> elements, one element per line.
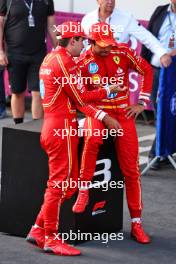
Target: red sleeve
<point>140,65</point>
<point>92,111</point>
<point>76,92</point>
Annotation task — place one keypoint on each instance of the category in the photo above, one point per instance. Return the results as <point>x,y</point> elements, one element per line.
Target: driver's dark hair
<point>64,42</point>
<point>91,41</point>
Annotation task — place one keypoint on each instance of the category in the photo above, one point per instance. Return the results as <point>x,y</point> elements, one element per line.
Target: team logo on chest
<point>93,68</point>
<point>116,59</point>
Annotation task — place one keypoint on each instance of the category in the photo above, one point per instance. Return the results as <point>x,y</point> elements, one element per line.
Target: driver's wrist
<point>105,118</point>
<point>2,52</point>
<point>142,103</point>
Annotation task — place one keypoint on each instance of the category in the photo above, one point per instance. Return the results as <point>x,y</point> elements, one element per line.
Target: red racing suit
<point>117,64</point>
<point>59,98</point>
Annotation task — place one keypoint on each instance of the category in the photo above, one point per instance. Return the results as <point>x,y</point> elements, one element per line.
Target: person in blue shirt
<point>162,25</point>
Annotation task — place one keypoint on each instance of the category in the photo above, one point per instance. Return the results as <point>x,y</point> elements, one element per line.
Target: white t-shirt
<point>125,26</point>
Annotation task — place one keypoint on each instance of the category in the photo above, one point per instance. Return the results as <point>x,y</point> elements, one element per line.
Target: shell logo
<point>106,32</point>
<point>96,79</point>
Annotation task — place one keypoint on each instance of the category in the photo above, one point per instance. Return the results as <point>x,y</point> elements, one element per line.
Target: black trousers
<point>2,91</point>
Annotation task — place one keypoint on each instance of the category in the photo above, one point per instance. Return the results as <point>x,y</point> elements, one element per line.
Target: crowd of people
<point>23,28</point>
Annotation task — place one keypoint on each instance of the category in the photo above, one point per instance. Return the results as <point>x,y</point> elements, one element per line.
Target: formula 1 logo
<point>98,208</point>
<point>106,172</point>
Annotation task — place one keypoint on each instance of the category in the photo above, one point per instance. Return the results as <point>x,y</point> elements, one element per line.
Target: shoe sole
<point>50,251</point>
<point>32,241</point>
<point>79,212</point>
<point>144,243</point>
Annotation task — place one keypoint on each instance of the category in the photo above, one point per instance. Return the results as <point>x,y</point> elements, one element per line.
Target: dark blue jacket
<point>154,26</point>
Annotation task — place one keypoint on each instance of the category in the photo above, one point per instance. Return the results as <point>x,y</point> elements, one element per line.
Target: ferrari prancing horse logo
<point>116,59</point>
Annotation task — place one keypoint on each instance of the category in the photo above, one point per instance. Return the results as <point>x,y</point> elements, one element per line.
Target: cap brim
<point>78,34</point>
<point>104,44</point>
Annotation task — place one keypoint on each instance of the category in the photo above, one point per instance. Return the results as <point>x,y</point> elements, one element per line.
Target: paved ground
<point>159,216</point>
